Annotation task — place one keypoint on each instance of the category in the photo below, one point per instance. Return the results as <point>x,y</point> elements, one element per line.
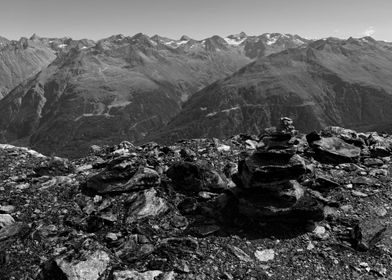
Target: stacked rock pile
<point>270,191</point>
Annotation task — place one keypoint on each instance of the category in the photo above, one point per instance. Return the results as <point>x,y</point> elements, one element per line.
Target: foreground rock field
<point>280,205</point>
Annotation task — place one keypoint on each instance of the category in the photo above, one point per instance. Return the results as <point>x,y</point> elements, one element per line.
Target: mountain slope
<point>20,60</point>
<point>329,82</point>
<point>119,88</point>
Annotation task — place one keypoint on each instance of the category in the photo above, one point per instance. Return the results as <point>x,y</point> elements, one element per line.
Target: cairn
<point>270,191</point>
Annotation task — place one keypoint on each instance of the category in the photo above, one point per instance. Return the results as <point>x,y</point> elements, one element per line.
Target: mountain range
<point>61,95</point>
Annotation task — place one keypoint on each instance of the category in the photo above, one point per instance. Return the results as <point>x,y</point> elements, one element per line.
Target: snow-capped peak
<point>236,39</point>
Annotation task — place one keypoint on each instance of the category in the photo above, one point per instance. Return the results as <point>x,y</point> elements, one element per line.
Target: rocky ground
<point>280,205</point>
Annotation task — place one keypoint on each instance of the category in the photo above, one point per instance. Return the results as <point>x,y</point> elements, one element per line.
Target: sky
<point>97,19</point>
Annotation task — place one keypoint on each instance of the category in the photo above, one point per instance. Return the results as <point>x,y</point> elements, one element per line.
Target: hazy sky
<point>97,19</point>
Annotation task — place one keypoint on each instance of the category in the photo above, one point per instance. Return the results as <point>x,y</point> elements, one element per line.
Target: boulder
<point>108,182</point>
<point>6,220</point>
<point>367,233</point>
<point>193,177</point>
<point>87,264</point>
<point>348,135</point>
<point>335,150</point>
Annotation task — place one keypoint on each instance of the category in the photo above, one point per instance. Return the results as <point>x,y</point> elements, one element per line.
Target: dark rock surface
<point>160,212</point>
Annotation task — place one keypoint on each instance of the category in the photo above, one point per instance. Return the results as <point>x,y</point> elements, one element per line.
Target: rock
<point>284,196</point>
<point>359,194</point>
<point>107,182</point>
<point>144,204</point>
<point>6,220</point>
<point>348,135</point>
<point>251,144</point>
<point>7,209</point>
<point>110,236</point>
<point>262,170</point>
<point>95,149</point>
<point>320,232</point>
<point>324,182</point>
<point>265,255</point>
<point>135,247</point>
<point>205,230</point>
<point>240,254</point>
<point>55,166</point>
<point>307,208</point>
<point>380,211</point>
<point>90,265</point>
<point>335,150</point>
<point>379,146</point>
<point>367,233</point>
<point>363,180</point>
<point>147,275</point>
<point>192,177</point>
<point>373,162</point>
<point>15,229</point>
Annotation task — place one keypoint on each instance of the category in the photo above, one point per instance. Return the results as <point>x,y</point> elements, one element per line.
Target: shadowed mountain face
<point>120,88</point>
<point>329,82</point>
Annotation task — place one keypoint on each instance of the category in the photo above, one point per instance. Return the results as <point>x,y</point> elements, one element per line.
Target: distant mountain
<point>119,87</point>
<point>326,82</point>
<point>3,42</point>
<point>20,60</point>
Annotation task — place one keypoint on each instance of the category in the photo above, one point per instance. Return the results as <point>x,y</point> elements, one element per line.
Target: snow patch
<point>62,46</point>
<point>230,109</point>
<point>119,104</point>
<point>234,42</point>
<point>272,41</point>
<point>211,114</point>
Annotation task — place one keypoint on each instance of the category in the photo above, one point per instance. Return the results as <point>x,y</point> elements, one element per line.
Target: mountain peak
<point>185,38</point>
<point>34,37</point>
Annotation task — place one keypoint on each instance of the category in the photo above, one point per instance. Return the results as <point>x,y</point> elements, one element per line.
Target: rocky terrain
<point>278,205</point>
<point>119,87</point>
<point>326,82</point>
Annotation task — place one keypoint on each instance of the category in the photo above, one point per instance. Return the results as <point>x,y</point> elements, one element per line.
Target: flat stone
<point>87,264</point>
<point>104,183</point>
<point>335,150</point>
<point>363,180</point>
<point>306,209</point>
<point>147,275</point>
<point>240,254</point>
<point>7,209</point>
<point>144,204</point>
<point>373,162</point>
<point>264,170</point>
<point>359,194</point>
